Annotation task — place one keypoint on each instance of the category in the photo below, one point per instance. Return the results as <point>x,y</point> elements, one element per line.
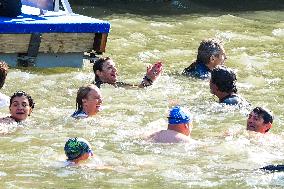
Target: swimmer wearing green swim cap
<point>77,149</point>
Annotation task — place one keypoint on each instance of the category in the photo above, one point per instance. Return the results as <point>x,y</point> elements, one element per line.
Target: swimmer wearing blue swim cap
<point>179,115</point>
<point>179,127</point>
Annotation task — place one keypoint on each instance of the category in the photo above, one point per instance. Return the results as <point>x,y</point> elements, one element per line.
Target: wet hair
<point>206,49</point>
<point>225,79</point>
<point>82,94</point>
<point>22,93</point>
<point>3,72</point>
<point>98,65</point>
<point>76,147</point>
<point>266,115</point>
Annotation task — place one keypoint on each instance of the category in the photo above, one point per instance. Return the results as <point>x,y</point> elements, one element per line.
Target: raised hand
<point>154,71</point>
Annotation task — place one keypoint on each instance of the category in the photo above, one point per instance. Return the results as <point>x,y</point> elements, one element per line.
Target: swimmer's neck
<point>16,120</point>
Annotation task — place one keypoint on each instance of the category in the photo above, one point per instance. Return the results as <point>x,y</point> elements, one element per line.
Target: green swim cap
<point>76,147</point>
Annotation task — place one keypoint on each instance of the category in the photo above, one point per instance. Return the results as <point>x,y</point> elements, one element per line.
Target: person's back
<point>233,100</point>
<point>197,70</point>
<point>169,136</point>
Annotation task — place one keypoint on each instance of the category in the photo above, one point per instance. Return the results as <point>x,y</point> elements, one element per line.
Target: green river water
<point>33,156</point>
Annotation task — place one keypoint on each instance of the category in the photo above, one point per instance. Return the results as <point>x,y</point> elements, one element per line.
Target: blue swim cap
<point>179,115</point>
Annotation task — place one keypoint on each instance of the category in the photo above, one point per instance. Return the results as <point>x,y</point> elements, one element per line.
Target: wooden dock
<point>50,39</point>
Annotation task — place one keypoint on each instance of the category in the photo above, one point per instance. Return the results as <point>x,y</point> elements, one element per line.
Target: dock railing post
<point>65,4</point>
<point>56,5</point>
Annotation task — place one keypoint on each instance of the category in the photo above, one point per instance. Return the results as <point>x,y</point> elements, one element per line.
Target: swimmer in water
<point>210,54</point>
<point>77,150</point>
<point>106,72</point>
<point>223,85</point>
<point>273,168</point>
<point>260,120</point>
<point>21,106</point>
<point>179,127</point>
<point>88,101</point>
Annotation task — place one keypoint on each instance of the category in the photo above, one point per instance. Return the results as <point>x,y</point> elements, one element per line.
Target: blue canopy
<point>33,21</point>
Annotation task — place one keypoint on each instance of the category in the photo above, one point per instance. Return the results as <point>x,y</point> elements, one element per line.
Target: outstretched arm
<point>153,72</point>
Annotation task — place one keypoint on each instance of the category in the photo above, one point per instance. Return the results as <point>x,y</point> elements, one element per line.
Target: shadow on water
<point>47,71</point>
<point>172,7</point>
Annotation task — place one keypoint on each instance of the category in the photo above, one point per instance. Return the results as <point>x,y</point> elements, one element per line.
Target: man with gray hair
<point>210,54</point>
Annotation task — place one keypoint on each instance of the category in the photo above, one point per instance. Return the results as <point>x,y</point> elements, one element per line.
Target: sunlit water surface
<point>32,156</point>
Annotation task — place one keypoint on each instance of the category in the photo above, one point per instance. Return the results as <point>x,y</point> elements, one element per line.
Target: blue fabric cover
<point>30,21</point>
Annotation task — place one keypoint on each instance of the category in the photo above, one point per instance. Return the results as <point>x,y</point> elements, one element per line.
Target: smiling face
<point>92,103</point>
<point>108,74</point>
<point>256,123</point>
<point>20,108</point>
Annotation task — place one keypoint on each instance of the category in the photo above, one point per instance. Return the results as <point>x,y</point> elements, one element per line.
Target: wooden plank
<point>51,43</point>
<point>100,42</point>
<point>11,43</point>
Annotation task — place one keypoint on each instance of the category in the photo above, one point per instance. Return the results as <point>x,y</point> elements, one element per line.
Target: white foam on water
<point>278,32</point>
<point>161,25</point>
<point>3,174</point>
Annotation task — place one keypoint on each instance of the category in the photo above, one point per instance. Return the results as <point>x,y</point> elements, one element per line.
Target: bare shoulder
<point>169,136</point>
<point>183,138</point>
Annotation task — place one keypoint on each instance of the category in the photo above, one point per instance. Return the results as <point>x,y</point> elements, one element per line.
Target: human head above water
<point>224,78</point>
<point>180,120</point>
<point>105,70</point>
<point>21,105</point>
<point>77,149</point>
<point>260,120</point>
<point>211,50</point>
<point>179,115</point>
<point>3,72</point>
<point>89,99</point>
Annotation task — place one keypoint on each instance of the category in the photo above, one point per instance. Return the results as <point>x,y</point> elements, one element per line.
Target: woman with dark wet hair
<point>223,85</point>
